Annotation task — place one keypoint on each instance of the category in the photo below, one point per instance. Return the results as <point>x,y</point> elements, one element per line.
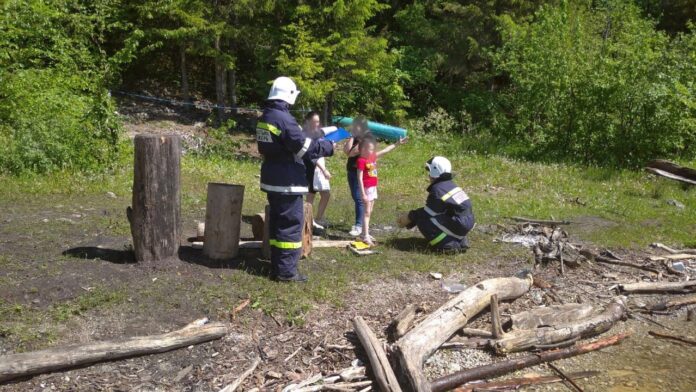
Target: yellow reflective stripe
<point>450,193</point>
<point>268,127</point>
<point>286,245</point>
<point>438,239</point>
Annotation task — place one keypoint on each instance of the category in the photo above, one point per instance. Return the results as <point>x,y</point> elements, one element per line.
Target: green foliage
<point>55,111</point>
<point>599,85</point>
<point>337,60</point>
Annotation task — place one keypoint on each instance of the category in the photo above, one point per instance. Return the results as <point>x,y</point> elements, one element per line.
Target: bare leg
<point>366,223</point>
<point>310,197</point>
<point>323,202</point>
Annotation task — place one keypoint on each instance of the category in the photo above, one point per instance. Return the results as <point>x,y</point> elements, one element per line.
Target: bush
<point>598,85</point>
<point>48,124</point>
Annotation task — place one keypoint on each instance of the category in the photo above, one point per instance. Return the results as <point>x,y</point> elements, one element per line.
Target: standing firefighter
<point>447,216</point>
<point>283,145</point>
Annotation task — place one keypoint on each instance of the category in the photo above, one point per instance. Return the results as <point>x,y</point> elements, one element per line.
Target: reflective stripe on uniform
<point>305,147</point>
<point>444,229</point>
<point>284,189</point>
<point>285,244</point>
<point>438,239</point>
<point>431,212</point>
<point>268,127</point>
<point>450,193</point>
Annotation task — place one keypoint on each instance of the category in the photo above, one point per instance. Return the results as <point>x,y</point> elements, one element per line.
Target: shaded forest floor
<point>67,274</point>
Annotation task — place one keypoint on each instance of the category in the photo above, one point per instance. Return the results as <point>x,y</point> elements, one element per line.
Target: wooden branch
<point>496,327</point>
<point>659,287</point>
<point>678,256</point>
<point>418,344</point>
<point>525,339</point>
<point>515,383</point>
<point>233,387</point>
<point>476,333</point>
<point>37,362</point>
<point>672,171</point>
<point>601,259</point>
<point>403,321</point>
<point>539,221</point>
<point>670,250</point>
<point>674,303</point>
<point>386,379</point>
<point>565,377</point>
<point>678,338</point>
<point>550,315</point>
<point>499,368</point>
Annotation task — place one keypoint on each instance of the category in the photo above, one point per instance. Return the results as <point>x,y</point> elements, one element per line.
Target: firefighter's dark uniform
<point>283,145</point>
<point>447,216</point>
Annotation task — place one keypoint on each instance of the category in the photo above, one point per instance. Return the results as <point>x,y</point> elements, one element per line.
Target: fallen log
<point>682,339</point>
<point>526,339</point>
<point>515,383</point>
<point>499,368</point>
<point>550,315</point>
<point>37,362</point>
<point>677,256</point>
<point>672,171</point>
<point>539,221</point>
<point>601,259</point>
<point>659,287</point>
<point>233,387</point>
<point>403,321</point>
<point>420,342</point>
<point>382,370</point>
<point>674,303</point>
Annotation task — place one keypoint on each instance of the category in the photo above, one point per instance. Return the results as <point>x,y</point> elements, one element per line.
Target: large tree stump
<point>223,220</point>
<point>155,216</point>
<point>260,218</point>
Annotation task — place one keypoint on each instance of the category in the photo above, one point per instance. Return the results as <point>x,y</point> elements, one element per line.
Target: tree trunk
<point>219,82</point>
<point>382,370</point>
<point>232,86</point>
<point>186,94</point>
<point>37,362</point>
<point>155,217</point>
<point>546,336</point>
<point>223,219</point>
<point>418,344</point>
<point>499,368</point>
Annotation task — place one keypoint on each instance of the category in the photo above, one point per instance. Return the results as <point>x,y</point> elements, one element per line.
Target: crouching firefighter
<point>447,216</point>
<point>283,176</point>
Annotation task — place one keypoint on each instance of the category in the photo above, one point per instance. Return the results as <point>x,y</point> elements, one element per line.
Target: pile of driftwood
<point>553,330</point>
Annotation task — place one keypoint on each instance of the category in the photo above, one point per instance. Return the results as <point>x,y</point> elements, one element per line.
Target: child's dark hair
<point>311,114</point>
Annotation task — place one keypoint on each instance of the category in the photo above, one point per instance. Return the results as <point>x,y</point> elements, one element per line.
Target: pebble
<point>676,203</point>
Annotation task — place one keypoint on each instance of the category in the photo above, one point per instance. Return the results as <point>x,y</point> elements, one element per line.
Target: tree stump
<point>155,216</point>
<point>307,230</point>
<point>260,218</point>
<point>223,220</point>
<point>266,244</point>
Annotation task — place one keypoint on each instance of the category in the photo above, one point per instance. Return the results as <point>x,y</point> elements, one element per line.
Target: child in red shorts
<point>367,180</point>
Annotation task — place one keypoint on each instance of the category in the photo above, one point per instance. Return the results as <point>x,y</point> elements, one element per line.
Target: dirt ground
<point>52,255</point>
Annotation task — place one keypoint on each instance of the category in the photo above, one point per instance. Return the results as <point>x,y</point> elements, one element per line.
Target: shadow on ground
<point>111,255</point>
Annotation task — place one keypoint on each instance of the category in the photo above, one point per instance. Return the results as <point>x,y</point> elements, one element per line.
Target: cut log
<point>672,171</point>
<point>601,259</point>
<point>678,256</point>
<point>550,316</point>
<point>233,387</point>
<point>386,379</point>
<point>266,247</point>
<point>515,383</point>
<point>307,230</point>
<point>258,222</point>
<point>674,303</point>
<point>37,362</point>
<point>526,339</point>
<point>223,220</point>
<point>403,321</point>
<point>539,221</point>
<point>499,368</point>
<point>418,344</point>
<point>659,287</point>
<point>155,215</point>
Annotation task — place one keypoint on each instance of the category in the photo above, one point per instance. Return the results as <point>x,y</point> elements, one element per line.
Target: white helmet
<point>284,89</point>
<point>438,166</point>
